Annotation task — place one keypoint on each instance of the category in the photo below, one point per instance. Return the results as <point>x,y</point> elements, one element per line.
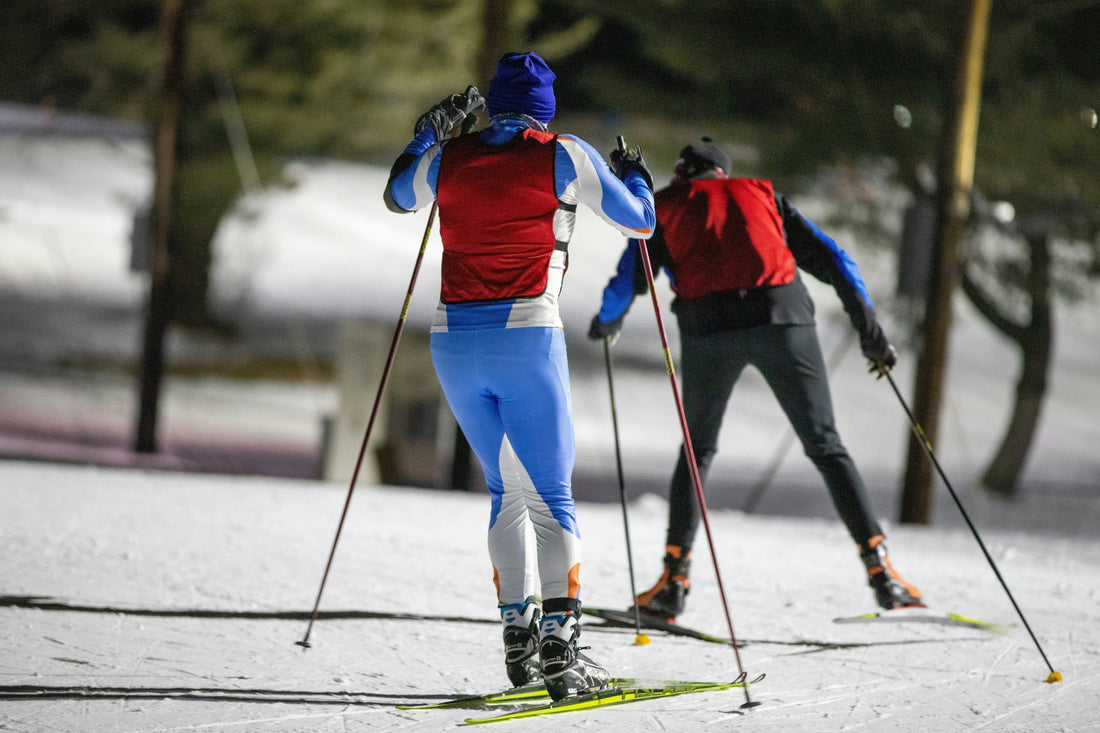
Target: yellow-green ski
<point>923,615</point>
<point>537,693</point>
<point>612,696</point>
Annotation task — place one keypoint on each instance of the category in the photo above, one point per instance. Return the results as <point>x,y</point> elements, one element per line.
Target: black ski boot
<point>890,590</point>
<point>666,599</point>
<point>565,671</point>
<point>521,635</point>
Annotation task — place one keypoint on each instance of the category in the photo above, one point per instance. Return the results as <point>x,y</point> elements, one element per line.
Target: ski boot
<point>890,590</point>
<point>565,671</point>
<point>665,600</point>
<point>521,635</point>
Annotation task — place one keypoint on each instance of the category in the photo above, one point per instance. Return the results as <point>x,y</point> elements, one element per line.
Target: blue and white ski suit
<point>497,341</point>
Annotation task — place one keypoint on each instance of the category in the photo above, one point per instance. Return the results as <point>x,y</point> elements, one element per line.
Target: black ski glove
<point>630,159</point>
<point>878,351</point>
<point>605,329</point>
<point>453,110</point>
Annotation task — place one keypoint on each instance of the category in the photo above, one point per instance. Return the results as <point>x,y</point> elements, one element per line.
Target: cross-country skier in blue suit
<point>507,199</point>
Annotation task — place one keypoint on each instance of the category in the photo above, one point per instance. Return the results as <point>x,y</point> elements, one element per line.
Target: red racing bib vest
<point>496,217</point>
<point>723,234</point>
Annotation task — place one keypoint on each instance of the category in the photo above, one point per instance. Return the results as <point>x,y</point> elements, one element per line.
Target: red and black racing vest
<point>723,234</point>
<point>496,216</point>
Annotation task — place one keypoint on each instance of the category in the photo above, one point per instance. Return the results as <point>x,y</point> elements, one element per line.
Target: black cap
<point>702,156</point>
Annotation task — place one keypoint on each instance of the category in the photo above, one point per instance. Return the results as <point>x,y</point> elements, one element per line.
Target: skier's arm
<point>583,177</point>
<point>413,177</point>
<point>619,292</point>
<point>628,282</point>
<point>817,253</point>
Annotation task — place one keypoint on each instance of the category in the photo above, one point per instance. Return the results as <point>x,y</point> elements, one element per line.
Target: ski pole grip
<point>621,142</point>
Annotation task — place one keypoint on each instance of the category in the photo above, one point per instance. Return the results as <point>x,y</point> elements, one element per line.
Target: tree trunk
<point>1035,340</point>
<point>495,24</point>
<point>165,142</point>
<point>956,177</point>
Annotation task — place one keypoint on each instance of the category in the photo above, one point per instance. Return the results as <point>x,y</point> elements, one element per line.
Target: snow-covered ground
<point>146,601</point>
<point>152,601</point>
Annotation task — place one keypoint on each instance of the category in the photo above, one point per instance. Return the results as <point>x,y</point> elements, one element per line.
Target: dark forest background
<point>792,87</point>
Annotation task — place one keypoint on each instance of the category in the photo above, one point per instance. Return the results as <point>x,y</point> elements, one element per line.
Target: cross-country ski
<point>538,693</point>
<point>617,695</point>
<point>923,616</point>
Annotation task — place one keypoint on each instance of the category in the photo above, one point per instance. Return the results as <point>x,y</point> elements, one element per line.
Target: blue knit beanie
<point>523,83</point>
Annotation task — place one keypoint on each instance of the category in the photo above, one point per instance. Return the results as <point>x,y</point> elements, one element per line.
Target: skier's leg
<point>537,413</point>
<point>710,367</point>
<point>535,406</point>
<point>476,410</point>
<point>789,357</point>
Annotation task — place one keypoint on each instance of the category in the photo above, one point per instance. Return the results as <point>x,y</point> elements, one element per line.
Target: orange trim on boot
<point>888,567</point>
<point>872,543</point>
<point>645,597</point>
<point>677,552</point>
<point>894,574</point>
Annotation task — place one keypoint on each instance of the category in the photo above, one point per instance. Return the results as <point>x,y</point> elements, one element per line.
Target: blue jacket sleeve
<point>619,292</point>
<point>629,280</point>
<point>413,177</point>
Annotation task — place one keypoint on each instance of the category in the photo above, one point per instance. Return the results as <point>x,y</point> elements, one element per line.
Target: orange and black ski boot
<point>665,600</point>
<point>890,590</point>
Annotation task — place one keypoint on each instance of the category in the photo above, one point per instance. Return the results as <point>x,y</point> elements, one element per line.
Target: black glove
<point>453,110</point>
<point>630,159</point>
<point>605,329</point>
<point>881,355</point>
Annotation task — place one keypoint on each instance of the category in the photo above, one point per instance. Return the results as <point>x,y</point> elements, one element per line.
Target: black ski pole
<point>919,433</point>
<point>373,414</point>
<point>640,639</point>
<point>689,455</point>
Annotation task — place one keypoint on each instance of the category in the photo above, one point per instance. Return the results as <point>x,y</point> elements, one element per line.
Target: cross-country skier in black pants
<point>732,248</point>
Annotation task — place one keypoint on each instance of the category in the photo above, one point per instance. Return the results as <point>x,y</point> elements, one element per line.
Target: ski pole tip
<point>1054,677</point>
<point>304,644</point>
<point>750,704</point>
<point>641,640</point>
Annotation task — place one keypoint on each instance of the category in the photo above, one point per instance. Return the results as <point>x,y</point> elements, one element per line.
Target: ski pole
<point>475,103</point>
<point>919,433</point>
<point>689,454</point>
<point>373,414</point>
<point>640,639</point>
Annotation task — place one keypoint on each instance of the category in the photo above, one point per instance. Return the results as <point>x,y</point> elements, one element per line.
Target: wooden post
<point>956,180</point>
